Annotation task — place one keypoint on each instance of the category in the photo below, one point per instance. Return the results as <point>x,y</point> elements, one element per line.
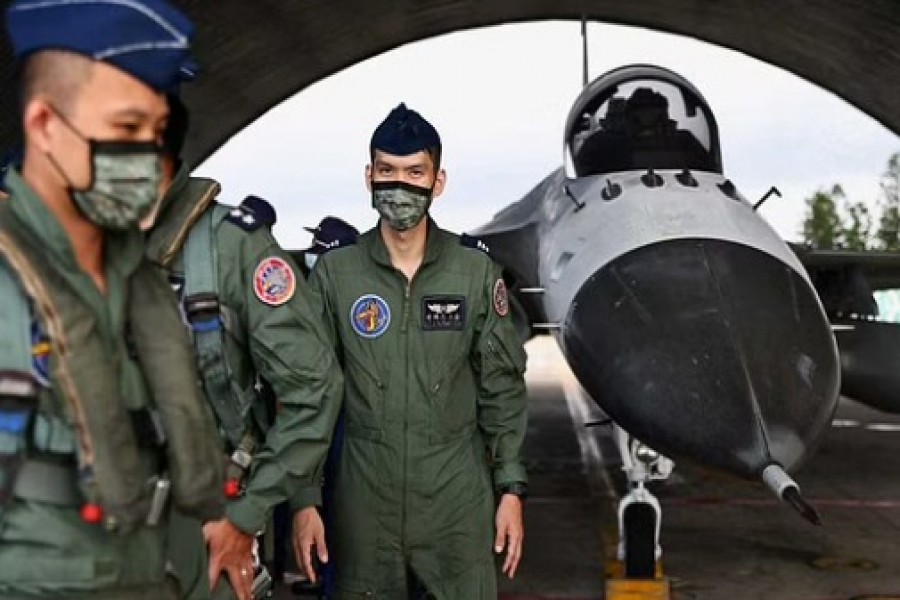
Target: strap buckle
<point>18,385</point>
<point>238,464</point>
<point>203,311</point>
<point>161,489</point>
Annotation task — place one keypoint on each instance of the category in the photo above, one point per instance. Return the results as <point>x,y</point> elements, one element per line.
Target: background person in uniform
<point>331,233</point>
<point>254,330</point>
<point>115,422</point>
<point>434,397</point>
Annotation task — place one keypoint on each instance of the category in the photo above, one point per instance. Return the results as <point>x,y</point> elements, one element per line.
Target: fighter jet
<point>681,312</point>
<point>869,344</point>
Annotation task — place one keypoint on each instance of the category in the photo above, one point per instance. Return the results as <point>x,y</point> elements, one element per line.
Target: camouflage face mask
<point>124,184</point>
<point>125,180</point>
<point>402,205</point>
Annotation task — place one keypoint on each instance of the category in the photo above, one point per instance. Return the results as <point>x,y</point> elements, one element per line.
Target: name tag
<point>443,313</point>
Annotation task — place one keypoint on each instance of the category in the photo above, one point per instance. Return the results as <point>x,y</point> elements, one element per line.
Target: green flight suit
<point>285,345</point>
<point>46,549</point>
<point>435,410</point>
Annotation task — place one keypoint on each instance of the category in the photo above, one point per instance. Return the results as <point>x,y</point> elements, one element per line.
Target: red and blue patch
<point>274,281</point>
<point>370,316</point>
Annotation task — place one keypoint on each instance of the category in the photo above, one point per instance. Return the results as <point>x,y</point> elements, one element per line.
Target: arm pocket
<point>507,357</point>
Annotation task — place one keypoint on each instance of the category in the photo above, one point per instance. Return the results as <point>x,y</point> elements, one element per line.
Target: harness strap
<point>204,313</point>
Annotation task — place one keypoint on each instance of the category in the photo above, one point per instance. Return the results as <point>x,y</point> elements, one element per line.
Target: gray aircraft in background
<point>682,313</point>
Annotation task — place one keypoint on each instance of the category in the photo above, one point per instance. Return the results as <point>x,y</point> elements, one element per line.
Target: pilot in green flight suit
<point>103,426</point>
<point>434,398</point>
<point>254,328</point>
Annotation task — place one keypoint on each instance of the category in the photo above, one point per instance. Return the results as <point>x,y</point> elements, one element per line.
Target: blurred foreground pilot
<point>430,479</point>
<point>103,426</point>
<point>257,340</point>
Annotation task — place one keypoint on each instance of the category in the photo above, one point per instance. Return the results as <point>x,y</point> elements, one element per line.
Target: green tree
<point>888,234</point>
<point>857,230</point>
<point>822,228</point>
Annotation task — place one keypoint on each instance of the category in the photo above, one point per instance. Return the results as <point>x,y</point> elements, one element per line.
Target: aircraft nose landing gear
<point>640,517</point>
<point>640,514</point>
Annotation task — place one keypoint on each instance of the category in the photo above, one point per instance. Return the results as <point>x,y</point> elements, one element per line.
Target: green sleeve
<point>322,296</point>
<point>290,350</point>
<point>306,496</point>
<point>500,367</point>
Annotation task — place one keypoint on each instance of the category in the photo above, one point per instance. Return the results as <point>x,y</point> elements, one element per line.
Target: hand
<point>230,550</point>
<point>309,531</point>
<point>510,532</point>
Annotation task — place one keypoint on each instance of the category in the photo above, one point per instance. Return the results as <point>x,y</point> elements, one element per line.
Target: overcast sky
<point>499,98</point>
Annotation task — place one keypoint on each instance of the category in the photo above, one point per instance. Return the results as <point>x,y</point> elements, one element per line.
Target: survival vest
<point>23,475</point>
<point>127,493</point>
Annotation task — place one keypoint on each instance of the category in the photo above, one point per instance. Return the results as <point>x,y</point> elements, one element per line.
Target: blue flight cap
<point>149,39</point>
<point>261,209</point>
<point>331,233</point>
<point>404,132</point>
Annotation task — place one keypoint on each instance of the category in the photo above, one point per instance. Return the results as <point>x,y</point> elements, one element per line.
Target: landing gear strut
<point>640,514</point>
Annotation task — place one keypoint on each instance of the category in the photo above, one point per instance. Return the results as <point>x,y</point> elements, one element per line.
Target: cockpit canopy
<point>641,117</point>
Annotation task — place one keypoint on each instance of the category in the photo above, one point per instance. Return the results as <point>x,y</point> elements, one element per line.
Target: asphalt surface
<point>722,538</point>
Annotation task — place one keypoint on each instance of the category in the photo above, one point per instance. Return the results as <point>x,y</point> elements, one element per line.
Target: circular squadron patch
<point>370,316</point>
<point>274,281</point>
<point>501,298</point>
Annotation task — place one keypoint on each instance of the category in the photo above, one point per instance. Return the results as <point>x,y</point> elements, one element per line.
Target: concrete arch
<point>256,53</point>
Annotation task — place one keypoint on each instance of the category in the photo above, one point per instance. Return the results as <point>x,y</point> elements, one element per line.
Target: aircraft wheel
<point>640,541</point>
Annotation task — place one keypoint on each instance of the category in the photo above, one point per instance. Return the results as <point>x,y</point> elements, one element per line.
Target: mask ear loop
<point>91,151</point>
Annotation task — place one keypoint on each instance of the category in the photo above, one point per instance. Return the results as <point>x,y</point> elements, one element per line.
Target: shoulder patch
<point>501,298</point>
<point>274,281</point>
<point>244,219</point>
<point>470,241</point>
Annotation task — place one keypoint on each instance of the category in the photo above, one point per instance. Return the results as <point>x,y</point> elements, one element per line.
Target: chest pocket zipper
<point>448,375</point>
<point>362,366</point>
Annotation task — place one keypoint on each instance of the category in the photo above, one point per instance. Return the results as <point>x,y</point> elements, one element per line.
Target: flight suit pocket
<point>508,357</point>
<point>364,396</point>
<point>453,400</point>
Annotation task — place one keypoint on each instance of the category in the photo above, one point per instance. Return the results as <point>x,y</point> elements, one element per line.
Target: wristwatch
<point>516,488</point>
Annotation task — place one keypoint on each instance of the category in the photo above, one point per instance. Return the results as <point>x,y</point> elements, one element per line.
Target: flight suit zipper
<point>404,330</point>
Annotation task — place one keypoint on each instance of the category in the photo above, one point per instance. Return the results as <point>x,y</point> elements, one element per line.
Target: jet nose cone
<point>707,350</point>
